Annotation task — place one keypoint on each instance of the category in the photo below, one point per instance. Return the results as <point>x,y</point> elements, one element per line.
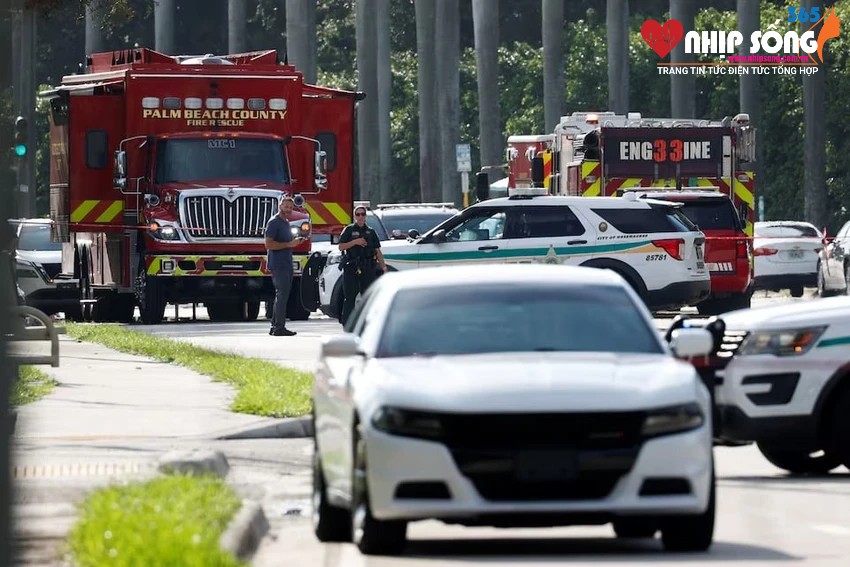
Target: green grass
<point>32,384</point>
<point>263,388</point>
<point>168,521</point>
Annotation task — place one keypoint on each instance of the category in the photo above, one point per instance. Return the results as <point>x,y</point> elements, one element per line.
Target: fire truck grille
<point>214,216</point>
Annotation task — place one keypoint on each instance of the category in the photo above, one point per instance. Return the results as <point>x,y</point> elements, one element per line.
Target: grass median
<point>263,388</point>
<point>32,384</point>
<point>173,520</point>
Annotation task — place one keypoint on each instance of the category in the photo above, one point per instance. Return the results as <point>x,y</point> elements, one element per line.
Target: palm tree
<point>430,168</point>
<point>237,40</point>
<point>447,36</point>
<point>95,42</point>
<point>384,82</point>
<point>617,22</point>
<point>553,62</point>
<point>485,16</point>
<point>814,140</point>
<point>682,87</point>
<point>748,85</point>
<point>301,36</point>
<point>164,14</point>
<point>367,110</point>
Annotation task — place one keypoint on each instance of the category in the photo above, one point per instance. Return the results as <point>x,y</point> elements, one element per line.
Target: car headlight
<point>163,232</point>
<point>408,423</point>
<point>674,419</point>
<point>785,342</point>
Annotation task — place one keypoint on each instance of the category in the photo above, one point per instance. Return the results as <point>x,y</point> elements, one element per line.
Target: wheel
<point>847,279</point>
<point>337,300</point>
<point>115,307</point>
<point>840,441</point>
<point>693,532</point>
<point>252,310</point>
<point>796,461</point>
<point>797,291</point>
<point>294,309</point>
<point>329,522</point>
<point>371,536</point>
<point>150,294</point>
<point>626,528</point>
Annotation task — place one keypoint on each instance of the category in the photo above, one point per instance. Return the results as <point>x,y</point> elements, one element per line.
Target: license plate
<point>795,254</point>
<point>700,265</point>
<point>547,465</point>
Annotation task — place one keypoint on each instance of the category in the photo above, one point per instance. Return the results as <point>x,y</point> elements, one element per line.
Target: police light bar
<point>527,191</point>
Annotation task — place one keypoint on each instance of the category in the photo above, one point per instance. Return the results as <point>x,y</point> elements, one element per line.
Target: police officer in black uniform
<point>362,251</point>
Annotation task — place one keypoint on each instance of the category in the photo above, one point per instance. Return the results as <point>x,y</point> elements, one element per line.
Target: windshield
<point>36,237</point>
<point>787,230</point>
<point>712,214</point>
<point>421,222</point>
<point>376,224</point>
<point>220,158</point>
<point>526,317</point>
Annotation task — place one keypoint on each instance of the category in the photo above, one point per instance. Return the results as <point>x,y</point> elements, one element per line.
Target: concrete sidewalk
<point>110,418</point>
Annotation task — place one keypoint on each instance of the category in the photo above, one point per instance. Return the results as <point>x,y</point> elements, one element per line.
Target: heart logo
<point>662,38</point>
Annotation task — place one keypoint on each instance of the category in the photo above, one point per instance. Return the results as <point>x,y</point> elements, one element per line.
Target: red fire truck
<point>165,171</point>
<point>602,153</point>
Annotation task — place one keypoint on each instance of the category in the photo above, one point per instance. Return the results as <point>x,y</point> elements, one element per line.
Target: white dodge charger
<point>510,395</point>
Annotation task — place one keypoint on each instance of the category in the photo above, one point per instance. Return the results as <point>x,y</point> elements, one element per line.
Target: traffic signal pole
<point>23,81</point>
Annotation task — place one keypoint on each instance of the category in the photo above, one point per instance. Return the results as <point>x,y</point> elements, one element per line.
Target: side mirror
<point>119,173</point>
<point>321,166</point>
<point>482,186</point>
<point>341,346</point>
<point>413,233</point>
<point>743,213</point>
<point>438,236</point>
<point>686,343</point>
<point>537,172</point>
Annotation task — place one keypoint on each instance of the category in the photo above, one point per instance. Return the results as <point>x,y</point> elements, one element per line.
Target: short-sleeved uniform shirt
<point>278,229</point>
<point>355,231</point>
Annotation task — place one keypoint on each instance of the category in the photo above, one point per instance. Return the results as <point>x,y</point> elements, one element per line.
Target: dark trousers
<point>282,280</point>
<point>354,283</point>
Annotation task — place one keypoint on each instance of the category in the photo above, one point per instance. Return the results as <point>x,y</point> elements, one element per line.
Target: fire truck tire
<point>150,293</point>
<point>115,307</point>
<point>252,310</point>
<point>295,310</point>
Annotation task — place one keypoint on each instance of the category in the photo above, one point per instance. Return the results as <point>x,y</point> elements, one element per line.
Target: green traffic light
<point>20,150</point>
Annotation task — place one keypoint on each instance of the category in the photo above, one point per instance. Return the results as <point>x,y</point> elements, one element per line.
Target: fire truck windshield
<point>179,160</point>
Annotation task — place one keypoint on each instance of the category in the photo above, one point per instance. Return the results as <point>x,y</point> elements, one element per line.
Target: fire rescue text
<point>214,117</point>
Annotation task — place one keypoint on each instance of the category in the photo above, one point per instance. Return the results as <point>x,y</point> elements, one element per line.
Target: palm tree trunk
<point>447,36</point>
<point>485,16</point>
<point>748,85</point>
<point>95,40</point>
<point>814,140</point>
<point>553,63</point>
<point>682,87</point>
<point>301,36</point>
<point>367,111</point>
<point>385,84</point>
<point>430,167</point>
<point>237,39</point>
<point>164,14</point>
<point>617,21</point>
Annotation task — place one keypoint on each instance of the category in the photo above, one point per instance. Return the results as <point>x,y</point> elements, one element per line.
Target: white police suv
<point>651,244</point>
<point>787,383</point>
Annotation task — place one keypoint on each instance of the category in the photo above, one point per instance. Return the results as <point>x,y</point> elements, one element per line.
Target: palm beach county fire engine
<point>204,148</point>
<point>606,154</point>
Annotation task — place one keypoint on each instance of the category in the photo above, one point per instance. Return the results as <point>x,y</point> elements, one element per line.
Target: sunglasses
<point>359,214</point>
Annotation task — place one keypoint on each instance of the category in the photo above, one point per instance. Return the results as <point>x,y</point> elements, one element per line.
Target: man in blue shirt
<point>279,243</point>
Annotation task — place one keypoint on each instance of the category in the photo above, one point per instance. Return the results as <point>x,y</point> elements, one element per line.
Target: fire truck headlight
<point>161,232</point>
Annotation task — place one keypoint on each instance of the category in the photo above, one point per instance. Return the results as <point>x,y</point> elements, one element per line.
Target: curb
<point>245,531</point>
<point>286,428</point>
<point>195,461</point>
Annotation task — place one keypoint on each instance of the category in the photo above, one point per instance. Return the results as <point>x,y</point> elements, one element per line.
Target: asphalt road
<point>764,516</point>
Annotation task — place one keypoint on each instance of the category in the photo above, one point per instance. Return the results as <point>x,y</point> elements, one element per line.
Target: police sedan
<point>510,395</point>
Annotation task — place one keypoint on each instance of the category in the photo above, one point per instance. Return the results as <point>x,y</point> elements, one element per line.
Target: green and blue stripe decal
<point>513,253</point>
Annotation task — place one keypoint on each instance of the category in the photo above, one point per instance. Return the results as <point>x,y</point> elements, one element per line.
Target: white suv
<point>787,387</point>
<point>651,244</point>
